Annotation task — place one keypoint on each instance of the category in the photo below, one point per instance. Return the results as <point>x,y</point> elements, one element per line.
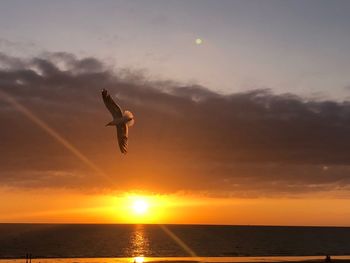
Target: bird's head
<point>129,117</point>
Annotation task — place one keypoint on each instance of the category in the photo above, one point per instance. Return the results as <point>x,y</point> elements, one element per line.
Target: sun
<point>140,209</point>
<point>140,206</point>
<point>139,259</point>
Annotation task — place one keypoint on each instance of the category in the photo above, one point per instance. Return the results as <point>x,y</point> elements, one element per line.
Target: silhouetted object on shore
<point>28,257</point>
<point>328,259</point>
<point>121,120</point>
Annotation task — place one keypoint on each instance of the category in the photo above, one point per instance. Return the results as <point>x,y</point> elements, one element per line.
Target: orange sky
<point>68,207</point>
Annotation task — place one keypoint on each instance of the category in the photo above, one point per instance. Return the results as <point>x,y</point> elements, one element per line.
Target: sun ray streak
<point>178,241</point>
<point>50,131</point>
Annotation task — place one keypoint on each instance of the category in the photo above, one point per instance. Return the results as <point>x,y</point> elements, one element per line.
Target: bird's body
<point>118,121</point>
<point>121,120</point>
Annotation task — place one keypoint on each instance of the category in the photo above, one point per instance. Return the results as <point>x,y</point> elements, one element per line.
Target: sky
<point>249,127</point>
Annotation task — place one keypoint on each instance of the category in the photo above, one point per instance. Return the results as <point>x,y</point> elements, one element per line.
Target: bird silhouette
<point>122,121</point>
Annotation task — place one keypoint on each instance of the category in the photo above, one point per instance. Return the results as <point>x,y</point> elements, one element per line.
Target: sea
<point>95,243</point>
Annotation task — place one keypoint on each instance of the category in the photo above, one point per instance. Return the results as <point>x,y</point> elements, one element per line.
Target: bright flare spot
<point>199,41</point>
<point>140,206</point>
<point>139,259</point>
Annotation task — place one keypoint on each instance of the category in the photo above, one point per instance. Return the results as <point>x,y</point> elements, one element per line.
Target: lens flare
<point>54,134</point>
<point>199,41</point>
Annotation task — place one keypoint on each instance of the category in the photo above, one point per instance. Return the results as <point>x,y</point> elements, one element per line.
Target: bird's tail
<point>130,116</point>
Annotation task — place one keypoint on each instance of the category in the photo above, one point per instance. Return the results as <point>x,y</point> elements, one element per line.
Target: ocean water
<point>128,241</point>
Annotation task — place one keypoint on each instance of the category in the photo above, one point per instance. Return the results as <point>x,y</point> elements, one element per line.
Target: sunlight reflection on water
<point>139,244</point>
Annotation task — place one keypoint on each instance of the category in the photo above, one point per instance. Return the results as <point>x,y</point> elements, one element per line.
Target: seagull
<point>121,120</point>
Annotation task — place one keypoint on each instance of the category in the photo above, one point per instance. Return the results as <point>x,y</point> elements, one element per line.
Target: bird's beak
<point>108,124</point>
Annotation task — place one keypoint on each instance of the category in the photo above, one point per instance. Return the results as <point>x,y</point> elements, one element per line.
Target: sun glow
<point>140,209</point>
<point>140,206</point>
<point>139,259</point>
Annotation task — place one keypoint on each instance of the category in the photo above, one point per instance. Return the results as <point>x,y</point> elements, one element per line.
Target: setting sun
<point>139,259</point>
<point>136,208</point>
<point>140,206</point>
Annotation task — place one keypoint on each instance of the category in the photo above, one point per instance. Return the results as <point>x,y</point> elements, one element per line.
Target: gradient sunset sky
<point>249,127</point>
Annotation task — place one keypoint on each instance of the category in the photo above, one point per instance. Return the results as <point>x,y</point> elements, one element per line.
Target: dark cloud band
<point>186,137</point>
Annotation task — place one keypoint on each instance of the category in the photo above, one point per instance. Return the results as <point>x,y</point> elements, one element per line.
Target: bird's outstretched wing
<point>122,133</point>
<point>113,108</point>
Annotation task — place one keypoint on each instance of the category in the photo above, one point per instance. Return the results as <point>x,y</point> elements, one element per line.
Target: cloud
<point>185,137</point>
